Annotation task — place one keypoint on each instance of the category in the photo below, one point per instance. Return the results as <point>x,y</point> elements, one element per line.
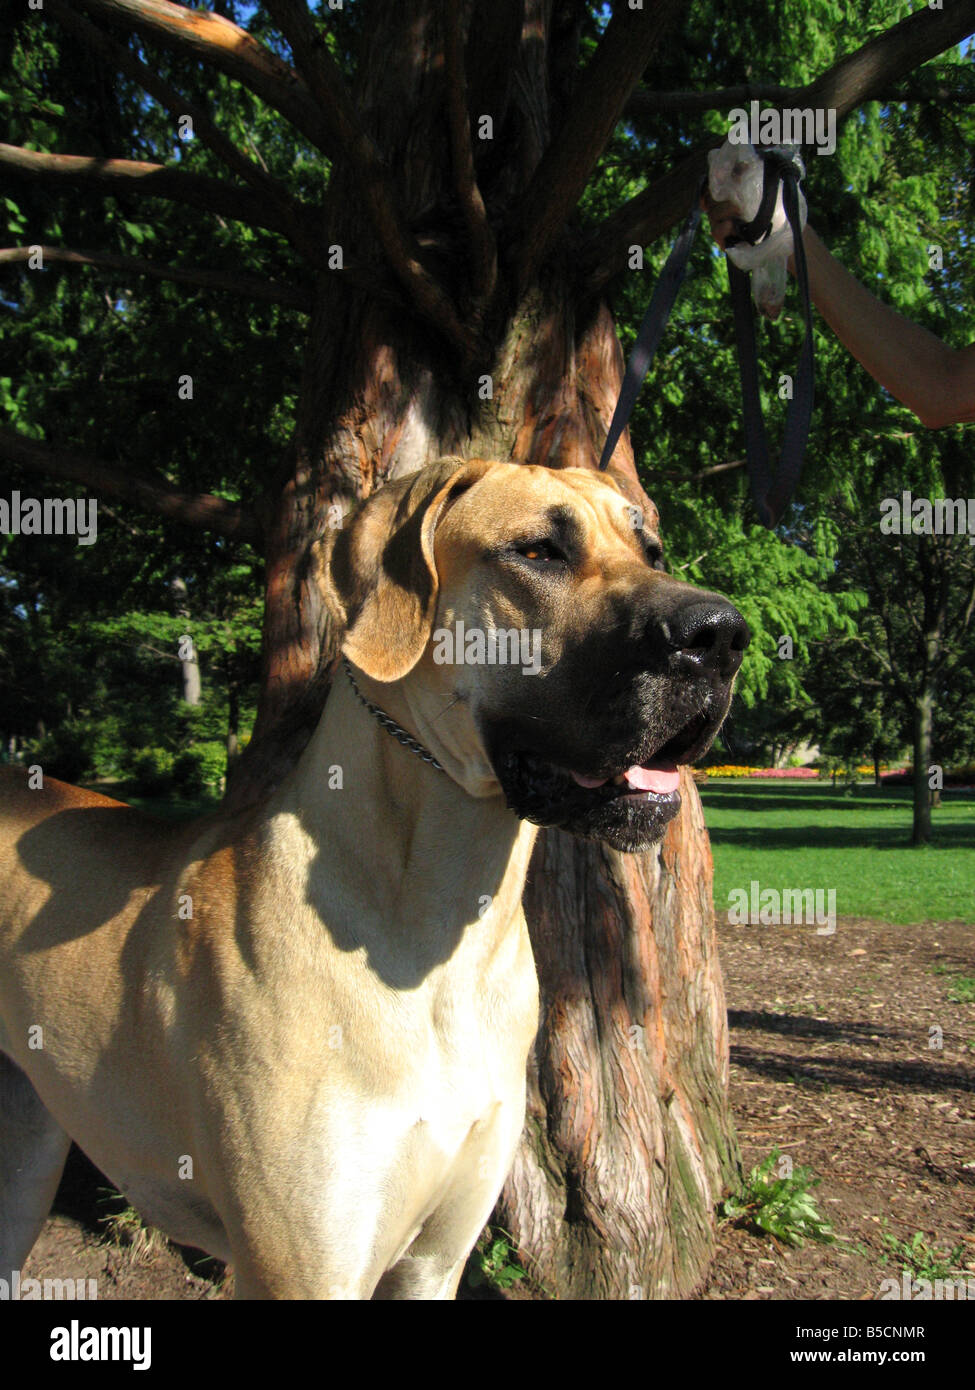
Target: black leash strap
<point>771,495</point>
<point>651,330</point>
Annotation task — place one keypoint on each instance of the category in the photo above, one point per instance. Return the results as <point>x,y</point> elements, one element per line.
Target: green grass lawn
<point>807,835</point>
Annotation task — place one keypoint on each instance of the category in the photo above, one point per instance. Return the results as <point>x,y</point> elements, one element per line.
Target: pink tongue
<point>639,779</point>
<point>653,779</point>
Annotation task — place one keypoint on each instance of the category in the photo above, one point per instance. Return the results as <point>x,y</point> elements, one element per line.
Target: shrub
<point>778,1200</point>
<point>200,766</point>
<point>151,770</point>
<point>67,752</point>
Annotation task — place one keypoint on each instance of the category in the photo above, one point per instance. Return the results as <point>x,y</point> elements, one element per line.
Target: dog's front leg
<point>33,1149</point>
<point>300,1244</point>
<point>420,1277</point>
<point>273,1268</point>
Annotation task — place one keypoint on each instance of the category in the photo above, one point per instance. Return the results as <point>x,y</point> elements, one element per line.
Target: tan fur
<point>320,1074</point>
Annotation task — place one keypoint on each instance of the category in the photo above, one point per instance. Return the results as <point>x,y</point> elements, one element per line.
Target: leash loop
<point>770,493</point>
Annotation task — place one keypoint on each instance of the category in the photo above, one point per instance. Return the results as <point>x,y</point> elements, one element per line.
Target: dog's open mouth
<point>628,805</point>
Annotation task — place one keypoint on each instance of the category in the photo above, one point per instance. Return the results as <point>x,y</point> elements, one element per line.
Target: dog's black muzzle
<point>597,739</point>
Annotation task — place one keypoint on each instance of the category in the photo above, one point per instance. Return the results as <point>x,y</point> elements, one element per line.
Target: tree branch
<point>153,180</point>
<point>889,57</point>
<point>939,92</point>
<point>245,285</point>
<point>372,177</point>
<point>219,44</point>
<point>200,510</point>
<point>663,203</point>
<point>484,253</point>
<point>708,472</point>
<point>567,164</point>
<point>120,58</point>
<point>880,62</point>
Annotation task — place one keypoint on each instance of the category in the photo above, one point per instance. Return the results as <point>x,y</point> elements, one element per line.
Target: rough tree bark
<point>458,162</point>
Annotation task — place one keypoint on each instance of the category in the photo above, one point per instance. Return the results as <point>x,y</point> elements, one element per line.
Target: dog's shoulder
<point>26,795</point>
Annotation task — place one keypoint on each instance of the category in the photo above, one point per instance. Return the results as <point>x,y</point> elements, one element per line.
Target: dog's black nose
<point>710,635</point>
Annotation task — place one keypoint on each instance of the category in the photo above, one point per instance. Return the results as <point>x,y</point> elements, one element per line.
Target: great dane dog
<point>297,1037</point>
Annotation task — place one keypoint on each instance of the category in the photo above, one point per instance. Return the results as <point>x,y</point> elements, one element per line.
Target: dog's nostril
<point>710,635</point>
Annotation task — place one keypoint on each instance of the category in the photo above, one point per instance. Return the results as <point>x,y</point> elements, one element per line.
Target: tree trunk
<point>923,743</point>
<point>190,686</point>
<point>628,1143</point>
<point>233,725</point>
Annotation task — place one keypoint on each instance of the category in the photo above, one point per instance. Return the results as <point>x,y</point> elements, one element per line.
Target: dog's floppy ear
<point>380,576</point>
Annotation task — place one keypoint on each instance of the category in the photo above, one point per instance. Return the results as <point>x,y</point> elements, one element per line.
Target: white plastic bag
<point>736,175</point>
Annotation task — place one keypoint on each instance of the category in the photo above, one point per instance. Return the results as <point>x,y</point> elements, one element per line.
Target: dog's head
<point>520,618</point>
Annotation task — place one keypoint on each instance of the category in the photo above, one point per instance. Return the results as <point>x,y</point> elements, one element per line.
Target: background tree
<point>917,646</point>
<point>412,207</point>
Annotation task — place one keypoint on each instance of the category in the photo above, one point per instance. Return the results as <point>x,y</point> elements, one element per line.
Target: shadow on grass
<point>763,800</point>
<point>777,796</point>
<point>834,820</point>
<point>169,807</point>
<point>798,837</point>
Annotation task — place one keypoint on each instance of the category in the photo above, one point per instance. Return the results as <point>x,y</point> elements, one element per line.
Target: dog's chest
<point>422,1098</point>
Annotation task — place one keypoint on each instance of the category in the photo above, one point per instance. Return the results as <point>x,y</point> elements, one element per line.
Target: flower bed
<point>732,770</point>
<point>799,773</point>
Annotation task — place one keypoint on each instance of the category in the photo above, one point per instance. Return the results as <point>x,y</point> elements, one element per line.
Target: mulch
<point>832,1063</point>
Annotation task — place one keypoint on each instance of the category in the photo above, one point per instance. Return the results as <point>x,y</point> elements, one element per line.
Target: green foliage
<point>780,1206</point>
<point>151,771</point>
<point>961,988</point>
<point>67,752</point>
<point>199,767</point>
<point>902,179</point>
<point>89,361</point>
<point>495,1261</point>
<point>921,1260</point>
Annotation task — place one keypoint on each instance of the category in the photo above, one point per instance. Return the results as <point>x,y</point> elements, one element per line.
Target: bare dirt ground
<point>830,1062</point>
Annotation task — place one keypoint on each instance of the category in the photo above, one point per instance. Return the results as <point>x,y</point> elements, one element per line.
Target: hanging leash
<point>771,494</point>
<point>651,329</point>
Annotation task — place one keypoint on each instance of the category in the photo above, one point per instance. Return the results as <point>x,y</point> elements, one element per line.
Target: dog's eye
<point>542,551</point>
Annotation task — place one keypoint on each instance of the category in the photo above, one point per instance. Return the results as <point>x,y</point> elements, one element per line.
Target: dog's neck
<point>352,759</point>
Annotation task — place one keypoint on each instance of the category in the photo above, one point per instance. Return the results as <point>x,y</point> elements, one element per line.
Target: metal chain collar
<point>390,725</point>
